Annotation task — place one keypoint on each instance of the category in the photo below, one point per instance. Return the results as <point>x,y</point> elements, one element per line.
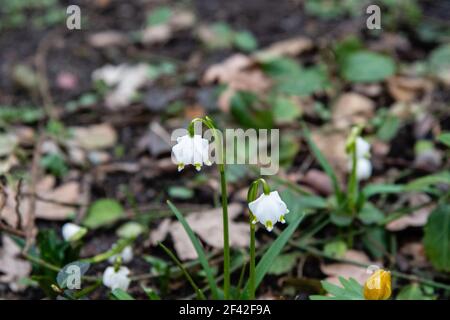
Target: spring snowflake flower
<point>378,286</point>
<point>191,150</point>
<point>126,254</point>
<point>268,209</point>
<point>117,279</point>
<point>362,148</point>
<point>363,166</point>
<point>72,232</point>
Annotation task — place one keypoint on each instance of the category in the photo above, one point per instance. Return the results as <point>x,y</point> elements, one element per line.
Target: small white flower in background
<point>363,169</point>
<point>191,150</point>
<point>363,166</point>
<point>71,231</point>
<point>116,279</point>
<point>362,148</point>
<point>126,254</point>
<point>268,209</point>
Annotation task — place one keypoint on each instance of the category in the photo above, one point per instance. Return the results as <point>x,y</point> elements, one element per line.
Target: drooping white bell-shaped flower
<point>362,148</point>
<point>71,231</point>
<point>126,254</point>
<point>191,150</point>
<point>363,168</point>
<point>268,209</point>
<point>116,279</point>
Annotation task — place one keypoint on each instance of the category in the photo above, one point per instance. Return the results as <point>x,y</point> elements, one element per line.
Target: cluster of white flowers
<point>126,254</point>
<point>268,209</point>
<point>192,150</point>
<point>113,278</point>
<point>363,164</point>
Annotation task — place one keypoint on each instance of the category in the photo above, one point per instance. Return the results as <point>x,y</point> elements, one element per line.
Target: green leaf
<point>421,184</point>
<point>151,294</point>
<point>160,15</point>
<point>244,110</point>
<point>370,214</point>
<point>304,82</point>
<point>275,249</point>
<point>389,128</point>
<point>413,292</point>
<point>103,212</point>
<point>366,66</point>
<point>198,248</point>
<point>130,230</point>
<point>284,263</point>
<point>350,290</point>
<point>444,138</point>
<point>285,110</point>
<point>245,41</point>
<point>119,294</point>
<point>374,189</point>
<point>55,164</point>
<point>439,62</point>
<point>335,249</point>
<point>437,238</point>
<point>180,192</point>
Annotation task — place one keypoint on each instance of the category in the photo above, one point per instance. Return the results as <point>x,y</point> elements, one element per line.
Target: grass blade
<point>324,164</point>
<point>274,250</point>
<point>198,248</point>
<point>199,292</point>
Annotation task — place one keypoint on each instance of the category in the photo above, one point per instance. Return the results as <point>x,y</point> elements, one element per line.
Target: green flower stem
<point>353,183</point>
<point>223,184</point>
<point>251,196</point>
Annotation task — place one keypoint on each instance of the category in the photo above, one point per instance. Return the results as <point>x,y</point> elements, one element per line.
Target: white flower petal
<point>268,209</point>
<point>116,279</point>
<point>362,148</point>
<point>69,230</point>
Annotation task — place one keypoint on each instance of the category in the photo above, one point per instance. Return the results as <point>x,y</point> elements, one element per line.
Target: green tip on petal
<point>282,219</point>
<point>198,166</point>
<point>269,225</point>
<point>180,167</point>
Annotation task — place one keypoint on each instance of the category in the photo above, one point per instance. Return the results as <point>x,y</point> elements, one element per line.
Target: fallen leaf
<point>346,270</point>
<point>407,89</point>
<point>66,193</point>
<point>417,218</point>
<point>240,73</point>
<point>319,181</point>
<point>351,109</point>
<point>160,33</point>
<point>126,79</point>
<point>107,38</point>
<point>332,144</point>
<point>415,252</point>
<point>289,47</point>
<point>99,136</point>
<point>12,268</point>
<point>208,226</point>
<point>156,140</point>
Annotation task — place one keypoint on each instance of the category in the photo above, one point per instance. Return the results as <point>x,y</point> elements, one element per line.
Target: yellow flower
<point>378,286</point>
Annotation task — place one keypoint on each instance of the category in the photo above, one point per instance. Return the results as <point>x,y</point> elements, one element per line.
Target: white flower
<point>268,209</point>
<point>126,254</point>
<point>362,148</point>
<point>71,231</point>
<point>116,279</point>
<point>363,168</point>
<point>191,150</point>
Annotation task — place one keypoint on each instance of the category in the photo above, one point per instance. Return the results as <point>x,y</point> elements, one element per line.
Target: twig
<point>18,213</point>
<point>30,225</point>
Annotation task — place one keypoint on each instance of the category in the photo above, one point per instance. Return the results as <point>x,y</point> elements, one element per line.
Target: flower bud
<point>378,286</point>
